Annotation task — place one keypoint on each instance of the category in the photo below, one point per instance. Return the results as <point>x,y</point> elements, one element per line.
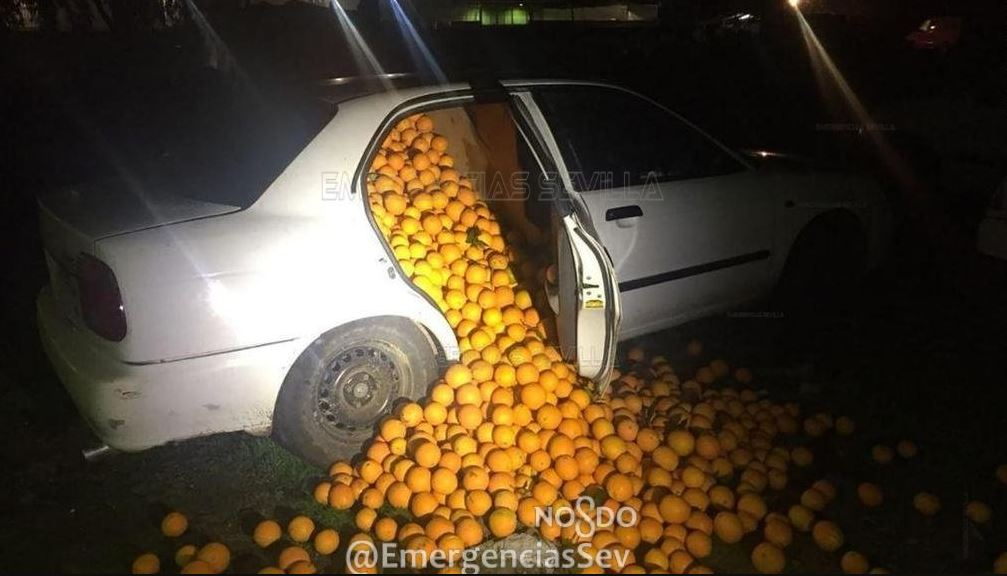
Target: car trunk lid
<point>74,219</point>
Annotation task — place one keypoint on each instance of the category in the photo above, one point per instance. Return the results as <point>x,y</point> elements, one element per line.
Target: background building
<point>517,12</point>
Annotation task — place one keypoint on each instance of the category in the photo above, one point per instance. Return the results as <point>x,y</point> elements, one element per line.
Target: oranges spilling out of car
<point>510,431</point>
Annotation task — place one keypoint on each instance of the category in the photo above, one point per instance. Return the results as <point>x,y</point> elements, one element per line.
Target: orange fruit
<point>321,492</point>
<point>470,417</point>
<point>469,531</point>
<point>698,544</point>
<point>385,529</point>
<point>146,564</point>
<point>613,446</point>
<point>302,567</point>
<point>854,562</point>
<point>478,502</point>
<point>468,394</point>
<point>300,528</point>
<point>768,559</point>
<point>435,413</point>
<point>394,203</point>
<point>185,554</point>
<point>372,498</point>
<point>365,518</point>
<point>422,504</point>
<point>827,535</point>
<point>443,481</point>
<point>753,505</point>
<point>727,526</point>
<point>665,457</point>
<point>398,495</point>
<point>341,497</point>
<point>619,487</point>
<point>267,532</point>
<point>427,454</point>
<point>926,503</point>
<point>502,522</point>
<point>528,375</point>
<point>411,414</point>
<point>458,375</point>
<point>475,478</point>
<point>290,555</point>
<point>549,417</point>
<point>198,567</point>
<point>778,532</point>
<point>682,442</point>
<point>674,509</point>
<point>392,428</point>
<point>327,541</point>
<point>216,555</point>
<point>870,494</point>
<point>174,524</point>
<point>978,512</point>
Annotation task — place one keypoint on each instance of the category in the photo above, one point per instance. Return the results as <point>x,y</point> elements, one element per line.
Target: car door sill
<point>693,270</point>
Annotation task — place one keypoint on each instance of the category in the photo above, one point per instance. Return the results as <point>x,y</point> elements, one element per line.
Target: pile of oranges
<point>510,429</point>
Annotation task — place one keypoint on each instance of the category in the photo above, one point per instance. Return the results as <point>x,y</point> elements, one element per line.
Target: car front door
<point>685,221</point>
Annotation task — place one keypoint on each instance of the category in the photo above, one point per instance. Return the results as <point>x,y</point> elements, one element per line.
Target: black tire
<point>346,381</point>
<point>825,265</point>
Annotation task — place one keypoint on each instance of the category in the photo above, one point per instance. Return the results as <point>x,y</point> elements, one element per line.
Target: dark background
<point>919,352</point>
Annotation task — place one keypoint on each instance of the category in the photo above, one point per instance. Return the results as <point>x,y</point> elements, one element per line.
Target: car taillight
<point>100,300</point>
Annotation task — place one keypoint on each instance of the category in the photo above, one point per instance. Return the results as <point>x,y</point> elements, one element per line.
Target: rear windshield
<point>220,139</point>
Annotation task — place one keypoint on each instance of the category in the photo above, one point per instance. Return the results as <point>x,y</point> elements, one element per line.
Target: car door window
<point>614,139</point>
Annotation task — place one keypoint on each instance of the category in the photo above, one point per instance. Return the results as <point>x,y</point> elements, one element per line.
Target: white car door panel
<point>687,225</point>
<point>589,302</point>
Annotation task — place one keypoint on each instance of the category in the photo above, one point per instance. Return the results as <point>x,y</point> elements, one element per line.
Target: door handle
<point>623,212</point>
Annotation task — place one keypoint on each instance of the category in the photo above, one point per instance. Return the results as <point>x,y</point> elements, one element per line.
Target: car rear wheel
<point>825,266</point>
<point>346,381</point>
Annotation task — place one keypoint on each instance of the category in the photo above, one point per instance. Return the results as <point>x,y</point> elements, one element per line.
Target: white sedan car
<point>282,309</point>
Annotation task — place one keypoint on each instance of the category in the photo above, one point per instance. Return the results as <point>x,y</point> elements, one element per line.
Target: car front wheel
<point>346,381</point>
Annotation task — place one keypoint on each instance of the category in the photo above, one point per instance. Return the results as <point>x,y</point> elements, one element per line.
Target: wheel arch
<point>842,221</point>
<point>439,349</point>
<point>295,420</point>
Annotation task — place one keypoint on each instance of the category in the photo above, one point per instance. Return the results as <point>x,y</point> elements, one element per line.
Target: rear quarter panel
<point>302,260</point>
<point>802,196</point>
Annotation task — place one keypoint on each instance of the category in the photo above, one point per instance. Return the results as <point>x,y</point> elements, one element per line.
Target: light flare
<point>418,48</point>
<point>829,79</point>
<point>362,53</point>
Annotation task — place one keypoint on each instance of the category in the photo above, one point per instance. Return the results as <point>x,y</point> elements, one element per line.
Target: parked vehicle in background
<point>281,307</point>
<point>938,33</point>
<point>735,24</point>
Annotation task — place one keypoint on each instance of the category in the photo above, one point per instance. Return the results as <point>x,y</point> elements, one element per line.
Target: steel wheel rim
<point>358,386</point>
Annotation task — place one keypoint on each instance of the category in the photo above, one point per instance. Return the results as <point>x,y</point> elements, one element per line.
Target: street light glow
<point>794,3</point>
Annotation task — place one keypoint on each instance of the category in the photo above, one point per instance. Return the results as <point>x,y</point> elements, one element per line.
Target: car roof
<point>405,86</point>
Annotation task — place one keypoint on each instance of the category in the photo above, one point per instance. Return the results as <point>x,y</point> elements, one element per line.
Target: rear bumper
<point>133,407</point>
<point>992,237</point>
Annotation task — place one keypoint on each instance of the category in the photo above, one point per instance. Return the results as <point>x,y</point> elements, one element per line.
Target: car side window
<point>615,139</point>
